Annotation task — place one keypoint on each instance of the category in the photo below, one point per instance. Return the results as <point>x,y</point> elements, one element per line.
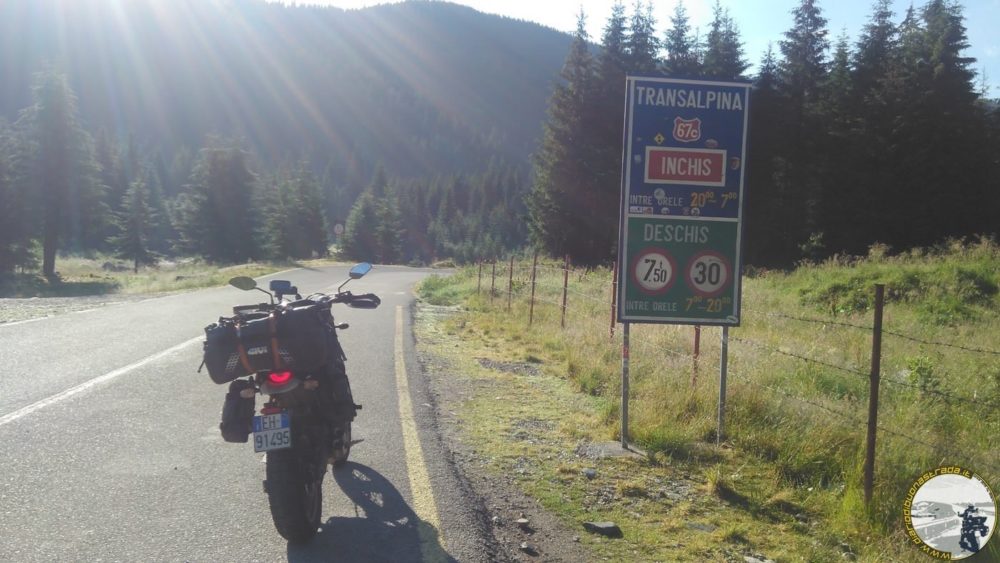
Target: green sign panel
<point>682,192</point>
<point>679,271</point>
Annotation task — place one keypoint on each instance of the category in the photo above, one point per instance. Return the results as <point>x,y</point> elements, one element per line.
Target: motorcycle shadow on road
<point>384,528</point>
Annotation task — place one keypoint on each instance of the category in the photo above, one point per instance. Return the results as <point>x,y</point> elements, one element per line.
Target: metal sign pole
<point>723,366</point>
<point>625,356</point>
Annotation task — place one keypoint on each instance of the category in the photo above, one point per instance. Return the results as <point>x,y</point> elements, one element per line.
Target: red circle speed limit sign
<point>654,271</point>
<point>708,273</point>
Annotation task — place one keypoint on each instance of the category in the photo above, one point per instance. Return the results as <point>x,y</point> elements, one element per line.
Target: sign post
<point>683,171</point>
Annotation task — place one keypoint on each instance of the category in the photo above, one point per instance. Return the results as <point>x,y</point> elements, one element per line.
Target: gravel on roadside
<point>14,310</point>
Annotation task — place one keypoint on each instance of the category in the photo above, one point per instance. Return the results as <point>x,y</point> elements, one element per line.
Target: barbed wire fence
<point>549,285</point>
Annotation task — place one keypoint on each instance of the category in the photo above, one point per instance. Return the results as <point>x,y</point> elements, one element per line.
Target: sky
<point>760,21</point>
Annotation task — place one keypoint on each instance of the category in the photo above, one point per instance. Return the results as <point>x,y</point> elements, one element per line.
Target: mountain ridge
<point>420,87</point>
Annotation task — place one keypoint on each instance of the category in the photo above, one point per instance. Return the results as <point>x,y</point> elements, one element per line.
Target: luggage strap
<point>272,325</point>
<point>242,351</point>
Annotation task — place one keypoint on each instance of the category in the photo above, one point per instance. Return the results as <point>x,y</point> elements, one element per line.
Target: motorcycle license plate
<point>272,432</point>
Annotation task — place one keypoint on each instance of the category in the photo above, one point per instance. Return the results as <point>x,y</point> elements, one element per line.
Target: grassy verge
<point>80,276</point>
<point>787,482</point>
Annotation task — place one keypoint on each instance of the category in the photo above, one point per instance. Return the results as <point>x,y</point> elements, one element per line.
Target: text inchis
<point>699,99</point>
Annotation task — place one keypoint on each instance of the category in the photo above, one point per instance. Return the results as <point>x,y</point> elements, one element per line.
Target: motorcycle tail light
<point>269,409</point>
<point>279,377</point>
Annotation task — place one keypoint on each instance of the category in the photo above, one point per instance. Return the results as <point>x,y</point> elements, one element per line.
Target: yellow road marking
<point>431,539</point>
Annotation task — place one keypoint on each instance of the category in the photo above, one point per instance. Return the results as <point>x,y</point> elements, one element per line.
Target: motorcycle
<point>288,350</point>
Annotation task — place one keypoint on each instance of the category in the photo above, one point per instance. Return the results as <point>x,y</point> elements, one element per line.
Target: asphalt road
<point>110,449</point>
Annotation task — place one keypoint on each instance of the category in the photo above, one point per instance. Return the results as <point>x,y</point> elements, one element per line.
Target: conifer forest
<point>242,130</point>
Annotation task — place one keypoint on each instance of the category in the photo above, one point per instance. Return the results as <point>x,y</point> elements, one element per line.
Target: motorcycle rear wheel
<point>295,499</point>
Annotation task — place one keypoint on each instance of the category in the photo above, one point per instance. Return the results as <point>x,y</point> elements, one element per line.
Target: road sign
<point>338,229</point>
<point>682,193</point>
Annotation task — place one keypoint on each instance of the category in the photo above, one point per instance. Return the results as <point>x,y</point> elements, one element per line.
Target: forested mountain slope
<point>422,87</point>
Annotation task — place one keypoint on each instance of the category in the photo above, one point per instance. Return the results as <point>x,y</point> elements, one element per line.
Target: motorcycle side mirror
<point>360,270</point>
<point>243,282</point>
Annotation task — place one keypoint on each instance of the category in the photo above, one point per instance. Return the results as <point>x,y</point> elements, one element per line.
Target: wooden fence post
<point>614,297</point>
<point>510,282</point>
<point>479,283</point>
<point>493,281</point>
<point>562,323</point>
<point>531,309</point>
<point>697,353</point>
<point>874,377</point>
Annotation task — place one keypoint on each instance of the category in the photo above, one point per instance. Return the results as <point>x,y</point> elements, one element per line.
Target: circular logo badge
<point>654,271</point>
<point>950,513</point>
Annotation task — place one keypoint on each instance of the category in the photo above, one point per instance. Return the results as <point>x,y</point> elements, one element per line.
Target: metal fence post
<point>531,308</point>
<point>723,369</point>
<point>562,323</point>
<point>625,366</point>
<point>873,392</point>
<point>479,283</point>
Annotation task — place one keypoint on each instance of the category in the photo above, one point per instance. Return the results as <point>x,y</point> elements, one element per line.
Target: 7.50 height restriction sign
<point>683,172</point>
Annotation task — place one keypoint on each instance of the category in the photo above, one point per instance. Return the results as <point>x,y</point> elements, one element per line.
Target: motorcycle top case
<point>235,348</point>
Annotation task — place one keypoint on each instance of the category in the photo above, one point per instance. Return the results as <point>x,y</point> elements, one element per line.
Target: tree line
<point>63,190</point>
<point>887,139</point>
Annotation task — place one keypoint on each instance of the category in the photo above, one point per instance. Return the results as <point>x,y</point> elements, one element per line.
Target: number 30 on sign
<point>654,271</point>
<point>708,273</point>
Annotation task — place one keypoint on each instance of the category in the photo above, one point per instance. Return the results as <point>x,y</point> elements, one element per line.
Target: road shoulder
<point>544,536</point>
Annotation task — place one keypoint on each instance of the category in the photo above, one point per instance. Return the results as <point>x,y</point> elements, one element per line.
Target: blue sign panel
<point>686,147</point>
<point>683,168</point>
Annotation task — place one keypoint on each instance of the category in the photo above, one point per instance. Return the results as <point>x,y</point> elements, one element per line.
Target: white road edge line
<point>87,385</point>
<point>26,321</point>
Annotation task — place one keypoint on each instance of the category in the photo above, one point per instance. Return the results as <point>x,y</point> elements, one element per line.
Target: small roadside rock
<point>607,529</point>
<point>590,473</point>
<point>522,523</point>
<point>527,548</point>
<point>752,559</point>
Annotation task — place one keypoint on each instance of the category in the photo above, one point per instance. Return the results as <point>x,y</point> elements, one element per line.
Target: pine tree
<point>374,229</point>
<point>60,172</point>
<point>14,233</point>
<point>954,123</point>
<point>136,223</point>
<point>641,46</point>
<point>768,205</point>
<point>723,54</point>
<point>841,220</point>
<point>876,60</point>
<point>874,53</point>
<point>570,208</point>
<point>359,241</point>
<point>802,74</point>
<point>306,205</point>
<point>215,215</point>
<point>682,48</point>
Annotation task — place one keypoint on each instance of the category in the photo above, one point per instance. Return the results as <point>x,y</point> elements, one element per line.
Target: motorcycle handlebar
<point>361,301</point>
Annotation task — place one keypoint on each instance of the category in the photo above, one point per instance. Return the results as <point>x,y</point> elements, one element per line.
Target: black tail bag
<point>237,347</point>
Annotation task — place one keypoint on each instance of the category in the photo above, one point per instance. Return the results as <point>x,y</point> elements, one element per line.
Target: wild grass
<point>798,386</point>
<point>100,275</point>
